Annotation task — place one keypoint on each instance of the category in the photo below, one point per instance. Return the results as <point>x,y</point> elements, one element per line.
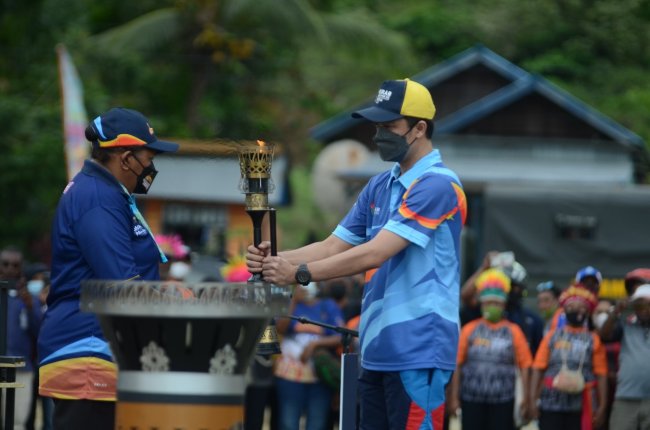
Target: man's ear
<point>123,159</point>
<point>421,128</point>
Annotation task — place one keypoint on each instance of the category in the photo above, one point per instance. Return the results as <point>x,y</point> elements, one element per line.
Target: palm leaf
<point>358,33</point>
<point>286,18</point>
<point>147,32</point>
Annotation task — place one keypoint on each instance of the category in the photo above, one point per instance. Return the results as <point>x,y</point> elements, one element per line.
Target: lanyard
<point>138,215</point>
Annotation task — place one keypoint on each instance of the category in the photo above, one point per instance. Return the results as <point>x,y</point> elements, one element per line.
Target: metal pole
<point>348,404</point>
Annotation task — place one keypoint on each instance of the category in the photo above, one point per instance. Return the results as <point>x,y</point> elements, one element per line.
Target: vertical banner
<point>76,147</point>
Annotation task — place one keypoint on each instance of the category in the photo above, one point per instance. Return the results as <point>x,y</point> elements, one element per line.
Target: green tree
<point>266,61</point>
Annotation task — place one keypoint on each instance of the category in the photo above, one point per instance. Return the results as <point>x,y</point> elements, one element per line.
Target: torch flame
<point>261,143</point>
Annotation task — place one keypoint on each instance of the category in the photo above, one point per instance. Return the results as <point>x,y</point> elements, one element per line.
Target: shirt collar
<point>431,159</point>
<point>96,170</point>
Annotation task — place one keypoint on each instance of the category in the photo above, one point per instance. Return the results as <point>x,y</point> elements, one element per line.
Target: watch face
<point>303,276</point>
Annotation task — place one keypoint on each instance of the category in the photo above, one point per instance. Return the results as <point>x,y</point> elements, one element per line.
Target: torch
<point>256,183</point>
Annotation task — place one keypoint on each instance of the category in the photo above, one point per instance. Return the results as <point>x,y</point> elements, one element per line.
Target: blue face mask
<point>35,286</point>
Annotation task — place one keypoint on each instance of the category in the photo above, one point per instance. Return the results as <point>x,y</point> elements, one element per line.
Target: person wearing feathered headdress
<point>570,363</point>
<point>490,353</point>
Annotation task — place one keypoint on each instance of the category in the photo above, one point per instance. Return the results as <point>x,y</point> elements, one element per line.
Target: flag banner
<point>76,146</point>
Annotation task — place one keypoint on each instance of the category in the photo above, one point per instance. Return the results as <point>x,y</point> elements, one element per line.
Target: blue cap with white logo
<point>589,271</point>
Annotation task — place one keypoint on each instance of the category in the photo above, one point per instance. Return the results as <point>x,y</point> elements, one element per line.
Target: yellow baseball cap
<point>397,99</point>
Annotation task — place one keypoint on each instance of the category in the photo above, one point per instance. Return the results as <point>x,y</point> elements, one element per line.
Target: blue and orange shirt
<point>409,317</point>
<point>95,235</point>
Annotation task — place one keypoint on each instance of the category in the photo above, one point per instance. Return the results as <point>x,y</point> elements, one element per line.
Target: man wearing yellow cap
<point>404,232</point>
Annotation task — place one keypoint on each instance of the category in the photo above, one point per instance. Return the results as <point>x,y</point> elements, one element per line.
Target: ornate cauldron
<point>182,349</point>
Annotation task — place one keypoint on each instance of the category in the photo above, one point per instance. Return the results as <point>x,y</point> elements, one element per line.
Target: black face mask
<point>145,178</point>
<point>392,146</point>
<point>575,319</point>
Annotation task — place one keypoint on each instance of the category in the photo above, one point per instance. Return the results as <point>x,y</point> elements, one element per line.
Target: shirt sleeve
<point>523,356</point>
<point>352,229</point>
<point>463,341</point>
<point>104,237</point>
<point>543,352</point>
<point>599,356</point>
<point>426,204</point>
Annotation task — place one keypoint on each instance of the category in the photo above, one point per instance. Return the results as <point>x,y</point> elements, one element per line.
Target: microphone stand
<point>346,333</point>
<point>349,373</point>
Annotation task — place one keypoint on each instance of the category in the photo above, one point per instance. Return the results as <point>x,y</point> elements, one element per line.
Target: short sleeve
<point>104,237</point>
<point>599,356</point>
<point>522,351</point>
<point>427,203</point>
<point>543,352</point>
<point>463,341</point>
<point>352,229</point>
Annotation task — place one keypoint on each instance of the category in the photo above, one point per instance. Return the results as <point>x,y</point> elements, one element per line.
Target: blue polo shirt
<point>409,316</point>
<point>95,235</point>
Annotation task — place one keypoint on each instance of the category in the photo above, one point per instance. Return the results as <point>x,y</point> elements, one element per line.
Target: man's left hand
<point>278,271</point>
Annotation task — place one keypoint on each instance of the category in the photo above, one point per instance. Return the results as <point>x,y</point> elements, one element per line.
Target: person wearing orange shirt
<point>569,363</point>
<point>491,350</point>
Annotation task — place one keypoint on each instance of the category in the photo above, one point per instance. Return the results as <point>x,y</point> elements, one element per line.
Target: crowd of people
<point>580,364</point>
<point>577,362</point>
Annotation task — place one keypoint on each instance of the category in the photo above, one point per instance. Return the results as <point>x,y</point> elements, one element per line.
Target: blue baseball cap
<point>120,127</point>
<point>398,99</point>
<point>588,271</point>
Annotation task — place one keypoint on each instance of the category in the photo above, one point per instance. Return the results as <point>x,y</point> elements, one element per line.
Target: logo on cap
<point>383,96</point>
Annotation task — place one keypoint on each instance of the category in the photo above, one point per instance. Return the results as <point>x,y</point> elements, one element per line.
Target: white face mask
<point>599,319</point>
<point>311,290</point>
<point>35,286</point>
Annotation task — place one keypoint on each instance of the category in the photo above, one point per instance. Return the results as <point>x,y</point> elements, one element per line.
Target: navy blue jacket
<point>94,236</point>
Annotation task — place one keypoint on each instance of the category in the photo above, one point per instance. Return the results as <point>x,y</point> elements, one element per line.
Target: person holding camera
<point>631,408</point>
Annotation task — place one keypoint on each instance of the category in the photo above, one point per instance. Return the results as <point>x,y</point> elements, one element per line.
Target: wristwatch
<point>303,275</point>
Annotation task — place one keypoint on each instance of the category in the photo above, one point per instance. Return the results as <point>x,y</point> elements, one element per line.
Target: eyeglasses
<point>545,286</point>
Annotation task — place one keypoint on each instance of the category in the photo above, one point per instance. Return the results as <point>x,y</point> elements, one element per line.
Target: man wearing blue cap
<point>97,233</point>
<point>591,278</point>
<point>404,232</point>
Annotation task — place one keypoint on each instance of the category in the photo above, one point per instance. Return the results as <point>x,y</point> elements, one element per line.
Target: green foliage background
<point>274,68</point>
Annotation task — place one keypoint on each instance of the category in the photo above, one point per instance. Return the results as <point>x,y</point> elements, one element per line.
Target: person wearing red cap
<point>635,278</point>
<point>570,361</point>
<point>490,352</point>
<point>97,233</point>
